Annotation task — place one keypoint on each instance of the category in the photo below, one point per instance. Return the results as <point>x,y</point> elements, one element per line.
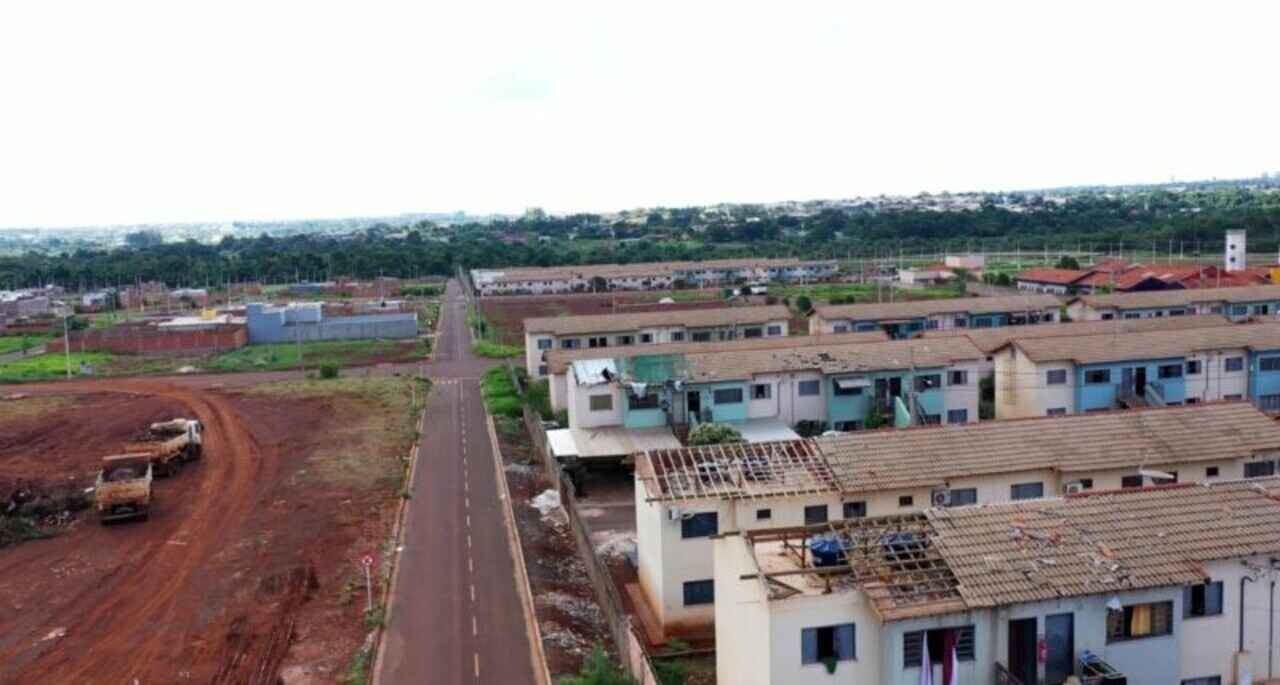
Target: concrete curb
<point>540,669</point>
<point>397,539</point>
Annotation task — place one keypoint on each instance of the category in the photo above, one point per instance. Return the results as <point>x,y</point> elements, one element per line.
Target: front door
<point>1140,381</point>
<point>1022,650</point>
<point>895,386</point>
<point>694,401</point>
<point>1060,633</point>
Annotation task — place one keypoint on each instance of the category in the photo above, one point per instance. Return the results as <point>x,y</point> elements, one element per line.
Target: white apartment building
<point>1148,584</point>
<point>647,276</point>
<point>1234,303</point>
<point>600,331</point>
<point>911,318</point>
<point>686,496</point>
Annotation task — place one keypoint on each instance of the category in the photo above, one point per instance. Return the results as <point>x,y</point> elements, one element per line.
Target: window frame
<point>962,374</point>
<point>1052,374</point>
<point>755,391</point>
<point>1233,364</point>
<point>926,382</point>
<point>1166,371</point>
<point>704,592</point>
<point>592,402</point>
<point>963,413</point>
<point>815,385</point>
<point>854,510</point>
<point>645,403</point>
<point>833,635</point>
<point>1034,486</point>
<point>1124,618</point>
<point>811,511</point>
<point>692,526</point>
<point>1212,600</point>
<point>1097,376</point>
<point>969,495</point>
<point>716,394</point>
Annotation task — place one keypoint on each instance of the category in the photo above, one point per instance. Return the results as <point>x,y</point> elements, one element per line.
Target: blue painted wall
<point>724,412</point>
<point>1103,395</point>
<point>1263,382</point>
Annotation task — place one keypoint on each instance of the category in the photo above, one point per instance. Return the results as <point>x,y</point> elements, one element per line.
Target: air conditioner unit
<point>941,498</point>
<point>673,514</point>
<point>1075,487</point>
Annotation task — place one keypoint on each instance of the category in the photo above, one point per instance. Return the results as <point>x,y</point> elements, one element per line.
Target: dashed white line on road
<point>468,541</point>
<point>473,593</point>
<point>470,566</point>
<point>468,520</point>
<point>466,502</point>
<point>475,630</point>
<point>477,655</point>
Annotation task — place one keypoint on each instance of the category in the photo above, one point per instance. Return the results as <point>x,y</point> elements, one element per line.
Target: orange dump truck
<point>176,442</point>
<point>123,489</point>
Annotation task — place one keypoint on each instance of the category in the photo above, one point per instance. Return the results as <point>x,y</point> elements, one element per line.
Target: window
<point>1055,411</point>
<point>1202,600</point>
<point>649,401</point>
<point>1269,364</point>
<point>761,391</point>
<point>1211,472</point>
<point>1193,400</point>
<point>1177,312</point>
<point>1170,371</point>
<point>1193,367</point>
<point>728,396</point>
<point>646,338</point>
<point>1269,403</point>
<point>815,514</point>
<point>570,344</point>
<point>846,426</point>
<point>755,332</point>
<point>840,328</point>
<point>699,592</point>
<point>764,514</point>
<point>928,381</point>
<point>1260,309</point>
<point>701,336</point>
<point>1086,483</point>
<point>544,343</point>
<point>773,330</point>
<point>1055,377</point>
<point>913,644</point>
<point>906,501</point>
<point>1096,376</point>
<point>855,510</point>
<point>1026,491</point>
<point>957,416</point>
<point>962,496</point>
<point>728,335</point>
<point>819,645</point>
<point>1131,482</point>
<point>625,340</point>
<point>809,388</point>
<point>1239,310</point>
<point>1260,469</point>
<point>700,525</point>
<point>600,341</point>
<point>844,388</point>
<point>932,324</point>
<point>958,378</point>
<point>1108,316</point>
<point>1233,364</point>
<point>600,402</point>
<point>1132,315</point>
<point>1140,620</point>
<point>961,322</point>
<point>677,336</point>
<point>542,369</point>
<point>1208,680</point>
<point>1233,396</point>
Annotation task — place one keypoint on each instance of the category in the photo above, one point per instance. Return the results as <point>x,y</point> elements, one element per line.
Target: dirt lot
<point>506,314</point>
<point>247,567</point>
<point>570,620</point>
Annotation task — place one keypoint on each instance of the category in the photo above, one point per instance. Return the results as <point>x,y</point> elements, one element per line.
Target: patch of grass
<point>34,406</point>
<point>499,393</point>
<point>493,350</point>
<point>284,356</point>
<point>358,672</point>
<point>47,367</point>
<point>375,617</point>
<point>16,529</point>
<point>17,343</point>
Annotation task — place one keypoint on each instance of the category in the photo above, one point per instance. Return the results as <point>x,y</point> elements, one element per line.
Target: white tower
<point>1236,255</point>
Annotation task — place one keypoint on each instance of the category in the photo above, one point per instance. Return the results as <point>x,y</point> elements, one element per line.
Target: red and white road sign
<point>366,561</point>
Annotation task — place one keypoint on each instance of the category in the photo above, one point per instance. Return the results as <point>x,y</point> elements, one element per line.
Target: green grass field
<point>493,350</point>
<point>14,343</point>
<point>285,355</point>
<point>499,393</point>
<point>46,367</point>
<point>823,293</point>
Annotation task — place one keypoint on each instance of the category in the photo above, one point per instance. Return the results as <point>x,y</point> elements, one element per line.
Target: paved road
<point>457,616</point>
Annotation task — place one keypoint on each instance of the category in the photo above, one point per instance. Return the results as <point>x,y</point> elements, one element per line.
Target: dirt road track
<point>133,624</point>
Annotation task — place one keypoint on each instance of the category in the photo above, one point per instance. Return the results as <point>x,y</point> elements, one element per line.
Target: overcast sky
<point>128,112</point>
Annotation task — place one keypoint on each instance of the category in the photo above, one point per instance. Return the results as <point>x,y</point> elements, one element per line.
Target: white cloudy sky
<point>163,111</point>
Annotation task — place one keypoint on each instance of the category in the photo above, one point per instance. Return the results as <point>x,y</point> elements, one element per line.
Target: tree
<point>599,284</point>
<point>598,669</point>
<point>1068,262</point>
<point>803,304</point>
<point>713,434</point>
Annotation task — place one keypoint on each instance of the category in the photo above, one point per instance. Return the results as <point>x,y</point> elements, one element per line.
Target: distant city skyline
<point>145,112</point>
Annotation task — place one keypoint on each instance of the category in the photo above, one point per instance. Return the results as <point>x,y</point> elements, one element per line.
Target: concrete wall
<point>289,324</point>
<point>579,404</point>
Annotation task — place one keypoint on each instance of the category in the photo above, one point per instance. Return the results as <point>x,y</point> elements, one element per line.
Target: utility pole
<point>66,342</point>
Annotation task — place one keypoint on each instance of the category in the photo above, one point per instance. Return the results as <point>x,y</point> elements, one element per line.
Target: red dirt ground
<point>238,570</point>
<point>507,313</point>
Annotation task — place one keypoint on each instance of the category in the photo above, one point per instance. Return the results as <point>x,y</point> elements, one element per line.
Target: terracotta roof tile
<point>921,308</point>
<point>691,318</point>
<point>1095,349</point>
<point>991,339</point>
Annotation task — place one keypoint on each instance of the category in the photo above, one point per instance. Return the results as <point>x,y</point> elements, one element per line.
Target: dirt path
<point>131,624</point>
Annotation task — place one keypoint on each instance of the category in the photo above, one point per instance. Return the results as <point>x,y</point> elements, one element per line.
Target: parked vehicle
<point>168,454</point>
<point>123,488</point>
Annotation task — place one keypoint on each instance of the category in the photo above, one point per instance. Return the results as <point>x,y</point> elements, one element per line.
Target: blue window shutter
<point>844,642</point>
<point>809,646</point>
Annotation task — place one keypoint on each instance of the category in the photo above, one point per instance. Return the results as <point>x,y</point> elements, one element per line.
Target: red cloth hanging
<point>949,639</point>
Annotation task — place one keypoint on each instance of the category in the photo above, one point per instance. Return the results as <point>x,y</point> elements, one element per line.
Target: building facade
<point>908,319</point>
<point>307,323</point>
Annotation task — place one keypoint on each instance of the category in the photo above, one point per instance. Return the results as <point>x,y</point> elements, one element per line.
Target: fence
<point>630,647</point>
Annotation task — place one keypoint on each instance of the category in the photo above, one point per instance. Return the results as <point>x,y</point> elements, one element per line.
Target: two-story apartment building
<point>558,361</point>
<point>1047,376</point>
<point>836,386</point>
<point>598,331</point>
<point>1236,304</point>
<point>684,496</point>
<point>908,319</point>
<point>1153,586</point>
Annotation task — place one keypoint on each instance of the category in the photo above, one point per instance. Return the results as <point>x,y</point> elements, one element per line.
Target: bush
<point>17,529</point>
<point>713,434</point>
<point>803,304</point>
<point>499,393</point>
<point>493,350</point>
<point>538,397</point>
<point>599,669</point>
<point>328,370</point>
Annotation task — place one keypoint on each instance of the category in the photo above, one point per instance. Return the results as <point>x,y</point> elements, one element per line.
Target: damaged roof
<point>632,321</point>
<point>1163,344</point>
<point>922,308</point>
<point>917,353</point>
<point>1177,297</point>
<point>991,339</point>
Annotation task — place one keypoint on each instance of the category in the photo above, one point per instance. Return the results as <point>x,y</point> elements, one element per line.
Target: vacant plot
<point>250,559</point>
<point>505,315</point>
<point>859,293</point>
<point>45,367</point>
<point>284,356</point>
<point>18,343</point>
